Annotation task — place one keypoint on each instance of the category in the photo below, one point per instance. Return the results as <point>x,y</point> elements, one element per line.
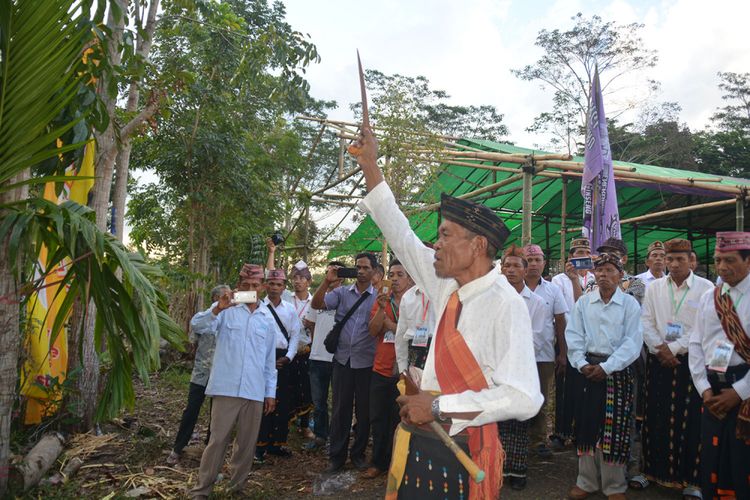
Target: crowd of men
<point>648,373</point>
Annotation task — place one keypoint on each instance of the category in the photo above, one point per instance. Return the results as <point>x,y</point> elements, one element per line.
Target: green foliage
<point>725,149</point>
<point>130,311</point>
<point>567,67</point>
<point>42,75</point>
<point>411,117</point>
<point>226,155</point>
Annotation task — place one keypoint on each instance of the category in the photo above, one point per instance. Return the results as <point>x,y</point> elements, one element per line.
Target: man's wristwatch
<point>436,414</point>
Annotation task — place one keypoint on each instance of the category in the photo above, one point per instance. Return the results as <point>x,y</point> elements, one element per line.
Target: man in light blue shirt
<point>242,381</point>
<point>604,338</point>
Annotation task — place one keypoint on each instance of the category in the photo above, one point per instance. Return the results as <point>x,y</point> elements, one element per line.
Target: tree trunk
<point>143,48</point>
<point>39,460</point>
<point>10,337</point>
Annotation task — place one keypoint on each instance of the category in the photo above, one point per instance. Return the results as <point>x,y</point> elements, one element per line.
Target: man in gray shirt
<point>204,355</point>
<point>352,361</point>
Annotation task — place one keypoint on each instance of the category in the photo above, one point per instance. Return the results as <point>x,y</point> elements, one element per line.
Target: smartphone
<point>346,272</point>
<point>250,297</point>
<point>385,286</point>
<point>582,263</point>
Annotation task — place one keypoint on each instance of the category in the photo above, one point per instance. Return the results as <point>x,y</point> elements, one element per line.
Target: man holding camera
<point>242,381</point>
<point>274,429</point>
<point>352,360</point>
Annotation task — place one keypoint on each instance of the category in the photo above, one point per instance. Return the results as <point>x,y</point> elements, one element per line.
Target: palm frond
<point>41,44</point>
<point>131,314</point>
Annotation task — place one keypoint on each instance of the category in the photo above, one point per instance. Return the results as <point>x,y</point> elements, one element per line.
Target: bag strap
<point>278,322</point>
<point>349,313</point>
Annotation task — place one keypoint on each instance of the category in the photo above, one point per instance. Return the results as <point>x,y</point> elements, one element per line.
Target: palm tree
<point>44,84</point>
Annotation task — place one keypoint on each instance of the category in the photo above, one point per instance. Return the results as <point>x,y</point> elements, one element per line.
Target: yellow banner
<point>46,367</point>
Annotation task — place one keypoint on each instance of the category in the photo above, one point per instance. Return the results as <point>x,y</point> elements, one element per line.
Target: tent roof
<point>634,199</point>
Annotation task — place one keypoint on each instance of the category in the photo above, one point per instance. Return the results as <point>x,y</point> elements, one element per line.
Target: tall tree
<point>724,148</point>
<point>50,45</point>
<point>225,152</point>
<point>567,67</point>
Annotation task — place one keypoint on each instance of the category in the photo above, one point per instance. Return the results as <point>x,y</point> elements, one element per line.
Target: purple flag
<point>601,218</point>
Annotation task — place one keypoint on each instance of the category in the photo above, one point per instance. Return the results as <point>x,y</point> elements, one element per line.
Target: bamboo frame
<point>673,211</point>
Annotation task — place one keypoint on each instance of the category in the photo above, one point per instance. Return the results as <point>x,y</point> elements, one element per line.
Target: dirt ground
<point>128,460</point>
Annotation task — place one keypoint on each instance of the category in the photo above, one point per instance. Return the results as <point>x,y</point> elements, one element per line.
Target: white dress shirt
<point>539,314</point>
<point>708,331</point>
<point>301,306</point>
<point>244,364</point>
<point>324,320</point>
<point>291,322</point>
<point>662,299</point>
<point>613,329</point>
<point>556,304</point>
<point>499,338</point>
<point>415,310</point>
<point>646,277</point>
<point>566,286</point>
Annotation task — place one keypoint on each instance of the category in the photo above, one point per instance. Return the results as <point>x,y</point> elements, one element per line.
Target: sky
<point>468,48</point>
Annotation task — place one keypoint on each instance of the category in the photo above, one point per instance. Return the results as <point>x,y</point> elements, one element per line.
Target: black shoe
<point>280,451</point>
<point>333,467</point>
<point>360,463</point>
<point>517,483</point>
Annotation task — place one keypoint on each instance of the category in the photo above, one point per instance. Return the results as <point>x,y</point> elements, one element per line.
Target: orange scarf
<point>457,371</point>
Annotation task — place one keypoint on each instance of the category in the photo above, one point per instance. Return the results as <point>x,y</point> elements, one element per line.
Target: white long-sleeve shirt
<point>708,331</point>
<point>566,286</point>
<point>662,299</point>
<point>539,314</point>
<point>499,338</point>
<point>244,364</point>
<point>613,329</point>
<point>415,310</point>
<point>291,322</point>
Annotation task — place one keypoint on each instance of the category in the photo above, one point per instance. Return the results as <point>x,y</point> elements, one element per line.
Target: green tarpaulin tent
<point>665,189</point>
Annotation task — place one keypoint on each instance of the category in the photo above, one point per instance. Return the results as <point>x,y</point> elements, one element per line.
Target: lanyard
<point>735,304</point>
<point>676,306</point>
<point>424,309</point>
<point>304,304</point>
<point>394,308</point>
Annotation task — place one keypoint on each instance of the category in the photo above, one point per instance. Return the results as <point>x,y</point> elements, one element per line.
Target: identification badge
<point>674,331</point>
<point>389,338</point>
<point>420,337</point>
<point>722,354</point>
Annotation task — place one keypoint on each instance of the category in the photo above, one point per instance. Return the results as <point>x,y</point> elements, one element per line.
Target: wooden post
<point>563,218</point>
<point>307,232</point>
<point>740,217</point>
<point>635,248</point>
<point>342,148</point>
<point>384,255</point>
<point>707,258</point>
<point>528,175</point>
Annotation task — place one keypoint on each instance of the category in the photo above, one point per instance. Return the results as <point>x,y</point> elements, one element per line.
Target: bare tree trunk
<point>143,48</point>
<point>10,337</point>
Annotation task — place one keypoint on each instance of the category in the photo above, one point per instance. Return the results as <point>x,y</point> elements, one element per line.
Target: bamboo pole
<point>740,214</point>
<point>563,218</point>
<point>635,176</point>
<point>491,187</point>
<point>337,182</point>
<point>672,211</point>
<point>374,127</point>
<point>342,148</point>
<point>527,205</point>
<point>335,202</point>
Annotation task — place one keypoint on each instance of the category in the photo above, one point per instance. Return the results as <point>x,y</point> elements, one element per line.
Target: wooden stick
<point>411,388</point>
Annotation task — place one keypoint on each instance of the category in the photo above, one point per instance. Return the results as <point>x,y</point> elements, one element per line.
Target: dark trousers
<point>320,381</point>
<point>383,418</point>
<point>351,387</point>
<point>196,395</point>
<point>274,428</point>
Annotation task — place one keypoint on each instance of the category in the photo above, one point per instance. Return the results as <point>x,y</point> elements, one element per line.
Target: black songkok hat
<point>613,244</point>
<point>476,218</point>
